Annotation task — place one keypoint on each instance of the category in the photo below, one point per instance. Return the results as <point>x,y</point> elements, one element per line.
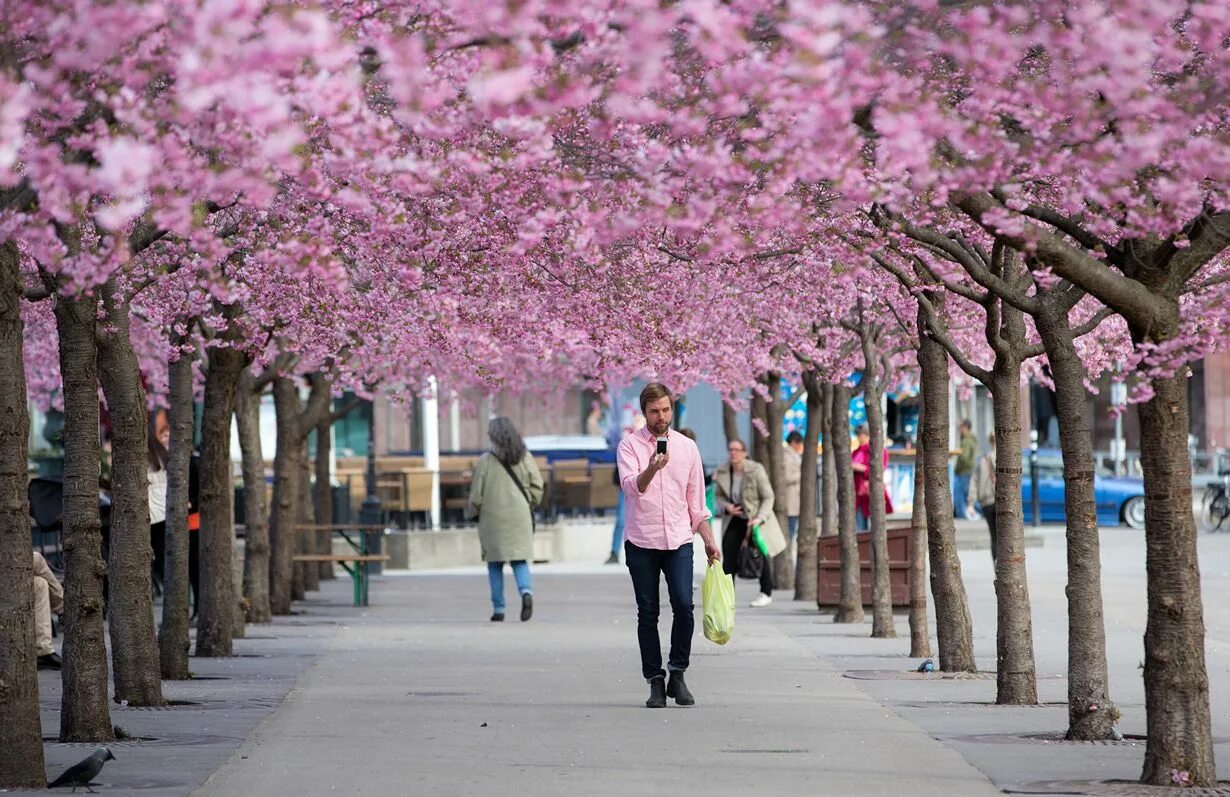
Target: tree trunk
<point>21,739</point>
<point>760,440</point>
<point>920,639</point>
<point>828,509</point>
<point>828,481</point>
<point>806,573</point>
<point>775,414</point>
<point>322,493</point>
<point>1176,681</point>
<point>215,620</point>
<point>173,641</point>
<point>256,521</point>
<point>1016,679</point>
<point>286,500</point>
<point>730,423</point>
<point>1088,680</point>
<point>881,587</point>
<point>953,628</point>
<point>85,714</point>
<point>134,644</point>
<point>850,604</point>
<point>309,543</point>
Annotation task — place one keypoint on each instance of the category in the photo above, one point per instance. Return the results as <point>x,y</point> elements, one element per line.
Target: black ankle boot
<point>657,693</point>
<point>679,690</point>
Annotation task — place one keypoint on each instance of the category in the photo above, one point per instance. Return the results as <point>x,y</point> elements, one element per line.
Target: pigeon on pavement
<point>84,771</point>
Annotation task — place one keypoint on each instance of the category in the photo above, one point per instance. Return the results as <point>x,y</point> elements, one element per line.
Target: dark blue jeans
<point>644,564</point>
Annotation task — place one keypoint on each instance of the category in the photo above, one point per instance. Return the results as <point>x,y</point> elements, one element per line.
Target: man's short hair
<point>652,392</point>
<point>966,424</point>
<point>794,437</point>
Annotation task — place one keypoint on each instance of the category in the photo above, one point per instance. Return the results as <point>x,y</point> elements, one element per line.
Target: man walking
<point>963,469</point>
<point>664,491</point>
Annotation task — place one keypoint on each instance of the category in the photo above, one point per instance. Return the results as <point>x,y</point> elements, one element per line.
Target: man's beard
<point>660,428</point>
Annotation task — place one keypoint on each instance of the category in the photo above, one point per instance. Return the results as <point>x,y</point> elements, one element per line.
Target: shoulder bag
<point>526,495</point>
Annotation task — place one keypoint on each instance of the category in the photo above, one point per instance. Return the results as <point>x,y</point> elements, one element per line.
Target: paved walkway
<point>420,694</point>
<point>424,695</point>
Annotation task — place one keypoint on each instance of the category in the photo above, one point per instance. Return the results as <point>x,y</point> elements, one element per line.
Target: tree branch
<point>1092,323</point>
<point>1127,296</point>
<point>1068,226</point>
<point>346,409</point>
<point>977,271</point>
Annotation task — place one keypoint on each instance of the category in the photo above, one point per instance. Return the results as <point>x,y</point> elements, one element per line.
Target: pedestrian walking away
<point>744,497</point>
<point>664,489</point>
<point>963,470</point>
<point>506,488</point>
<point>982,489</point>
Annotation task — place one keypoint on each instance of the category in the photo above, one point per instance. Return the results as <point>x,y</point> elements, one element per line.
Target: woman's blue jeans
<point>495,576</point>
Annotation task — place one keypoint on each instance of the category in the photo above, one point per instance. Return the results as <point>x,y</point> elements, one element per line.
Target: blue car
<point>1120,499</point>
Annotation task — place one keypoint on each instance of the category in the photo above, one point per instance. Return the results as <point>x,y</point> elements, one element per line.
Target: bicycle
<point>1215,507</point>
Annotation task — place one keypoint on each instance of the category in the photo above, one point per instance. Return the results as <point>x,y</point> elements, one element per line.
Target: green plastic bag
<point>718,593</point>
<point>759,540</point>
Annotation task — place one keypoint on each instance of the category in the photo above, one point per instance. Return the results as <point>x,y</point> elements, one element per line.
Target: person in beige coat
<point>744,498</point>
<point>793,459</point>
<point>48,599</point>
<point>506,488</point>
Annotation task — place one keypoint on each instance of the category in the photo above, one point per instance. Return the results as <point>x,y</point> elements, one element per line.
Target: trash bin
<point>900,556</point>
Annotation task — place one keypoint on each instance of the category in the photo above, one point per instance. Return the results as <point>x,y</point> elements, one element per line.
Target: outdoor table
<point>355,564</point>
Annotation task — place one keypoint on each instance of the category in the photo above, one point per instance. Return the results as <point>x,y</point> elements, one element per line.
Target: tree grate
<point>1119,788</point>
<point>127,741</point>
<point>170,706</point>
<point>976,704</point>
<point>911,675</point>
<point>1053,737</point>
<point>149,741</point>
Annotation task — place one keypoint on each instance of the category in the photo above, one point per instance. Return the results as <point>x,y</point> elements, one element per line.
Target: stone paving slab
<point>178,747</point>
<point>419,693</point>
<point>426,696</point>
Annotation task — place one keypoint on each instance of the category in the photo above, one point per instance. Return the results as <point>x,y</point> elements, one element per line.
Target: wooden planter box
<point>900,553</point>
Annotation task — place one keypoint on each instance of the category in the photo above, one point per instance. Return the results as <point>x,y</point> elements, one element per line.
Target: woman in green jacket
<point>506,487</point>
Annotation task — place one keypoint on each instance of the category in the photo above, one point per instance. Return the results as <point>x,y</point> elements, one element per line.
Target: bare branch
<point>681,256</point>
<point>1130,298</point>
<point>344,410</point>
<point>1066,225</point>
<point>1093,323</point>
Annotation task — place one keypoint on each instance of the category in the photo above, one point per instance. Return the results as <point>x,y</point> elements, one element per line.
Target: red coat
<point>862,481</point>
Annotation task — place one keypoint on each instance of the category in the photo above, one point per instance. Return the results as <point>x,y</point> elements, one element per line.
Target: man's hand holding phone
<point>660,457</point>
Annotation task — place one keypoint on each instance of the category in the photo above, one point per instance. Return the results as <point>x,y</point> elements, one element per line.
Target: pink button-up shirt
<point>666,515</point>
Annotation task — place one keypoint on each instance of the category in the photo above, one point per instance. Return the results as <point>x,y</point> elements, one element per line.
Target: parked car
<point>1119,499</point>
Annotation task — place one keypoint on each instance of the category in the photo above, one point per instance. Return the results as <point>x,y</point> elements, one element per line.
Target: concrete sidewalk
<point>420,694</point>
<point>423,695</point>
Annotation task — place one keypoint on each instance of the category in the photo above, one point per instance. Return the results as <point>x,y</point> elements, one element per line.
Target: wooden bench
<point>355,564</point>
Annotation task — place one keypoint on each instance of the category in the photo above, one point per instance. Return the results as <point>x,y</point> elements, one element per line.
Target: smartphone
<point>661,445</point>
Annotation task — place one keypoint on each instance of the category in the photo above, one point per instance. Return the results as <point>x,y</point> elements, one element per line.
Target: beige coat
<point>757,501</point>
<point>505,527</point>
<point>794,479</point>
